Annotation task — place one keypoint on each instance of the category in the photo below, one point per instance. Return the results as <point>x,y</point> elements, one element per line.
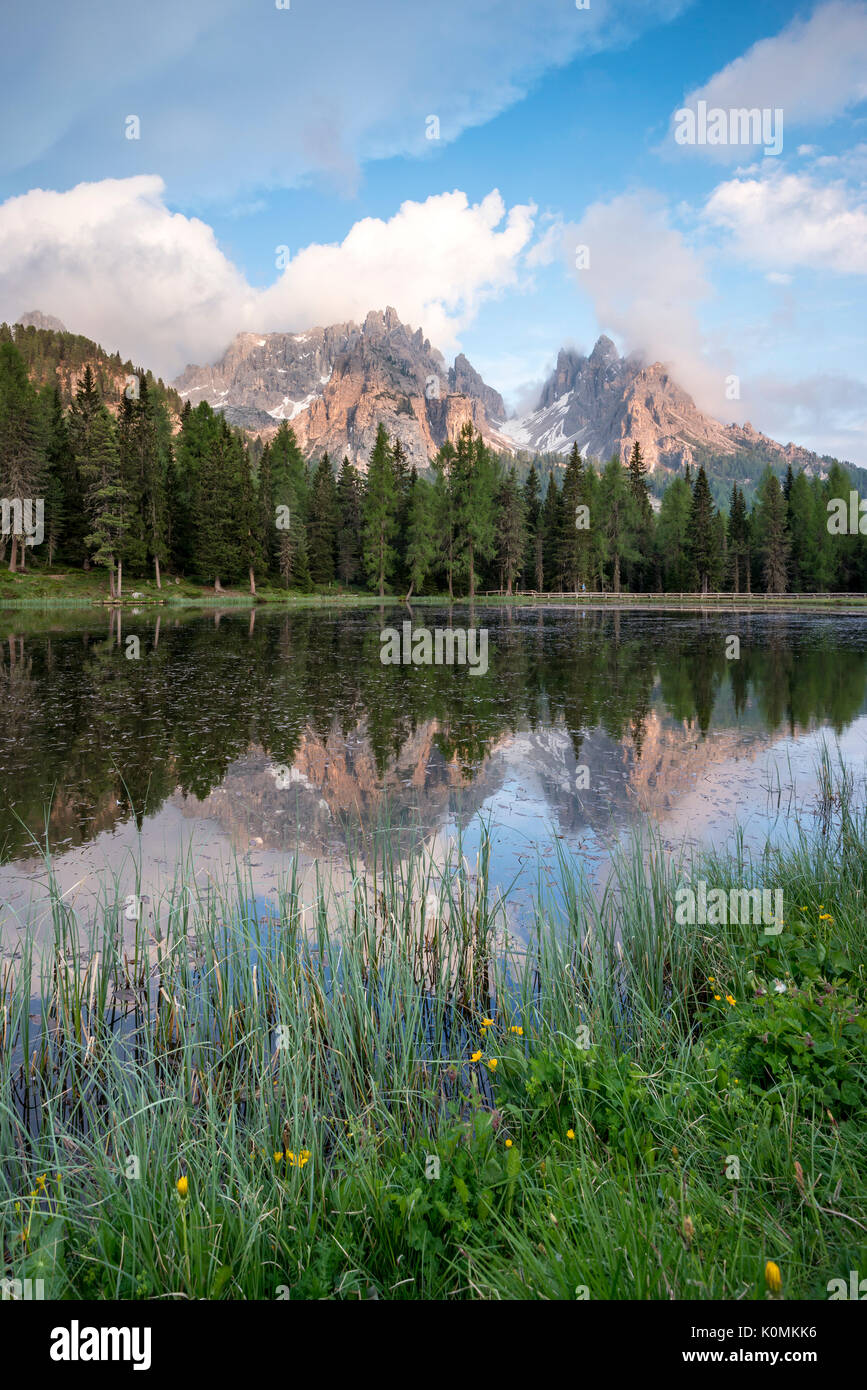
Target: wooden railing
<point>716,596</point>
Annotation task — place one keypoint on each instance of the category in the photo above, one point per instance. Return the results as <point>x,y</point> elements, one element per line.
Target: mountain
<point>54,356</point>
<point>36,319</point>
<point>606,402</point>
<point>336,384</point>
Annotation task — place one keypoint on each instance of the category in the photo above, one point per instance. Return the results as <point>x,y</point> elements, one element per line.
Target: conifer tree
<point>533,570</point>
<point>701,531</point>
<point>348,524</point>
<point>379,512</point>
<point>511,533</point>
<point>322,523</point>
<point>421,546</point>
<point>771,527</point>
<point>106,499</point>
<point>22,453</point>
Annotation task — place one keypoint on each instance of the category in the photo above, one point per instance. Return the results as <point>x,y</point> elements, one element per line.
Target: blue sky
<point>307,128</point>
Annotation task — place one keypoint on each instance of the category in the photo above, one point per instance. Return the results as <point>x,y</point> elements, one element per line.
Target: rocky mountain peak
<point>34,318</point>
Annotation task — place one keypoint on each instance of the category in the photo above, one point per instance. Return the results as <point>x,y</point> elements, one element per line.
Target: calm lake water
<point>263,734</point>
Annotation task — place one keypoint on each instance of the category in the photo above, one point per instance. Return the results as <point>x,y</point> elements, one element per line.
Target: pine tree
<point>510,533</point>
<point>106,499</point>
<point>348,524</point>
<point>552,530</point>
<point>617,519</point>
<point>322,523</point>
<point>574,534</point>
<point>641,568</point>
<point>22,451</point>
<point>702,548</point>
<point>771,525</point>
<point>379,512</point>
<point>421,536</point>
<point>672,537</point>
<point>737,538</point>
<point>533,571</point>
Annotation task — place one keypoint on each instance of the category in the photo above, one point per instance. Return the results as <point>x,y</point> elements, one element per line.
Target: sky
<point>513,176</point>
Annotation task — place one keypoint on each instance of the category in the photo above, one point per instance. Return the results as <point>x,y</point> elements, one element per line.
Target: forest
<point>144,485</point>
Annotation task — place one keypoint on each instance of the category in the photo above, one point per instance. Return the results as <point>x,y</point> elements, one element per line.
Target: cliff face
<point>605,402</point>
<point>337,384</point>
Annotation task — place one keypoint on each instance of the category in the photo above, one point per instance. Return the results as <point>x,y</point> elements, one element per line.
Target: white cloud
<point>646,285</point>
<point>790,220</point>
<point>114,263</point>
<point>813,70</point>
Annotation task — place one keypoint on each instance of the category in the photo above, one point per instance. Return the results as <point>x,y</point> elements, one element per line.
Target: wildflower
<point>40,1181</point>
<point>674,1151</point>
<point>570,1134</point>
<point>688,1230</point>
<point>716,996</point>
<point>278,1157</point>
<point>515,1029</point>
<point>508,1143</point>
<point>303,1157</point>
<point>711,980</point>
<point>183,1186</point>
<point>825,917</point>
<point>773,1277</point>
<point>493,1064</point>
<point>779,987</point>
<point>290,1158</point>
<point>476,1057</point>
<point>487,1023</point>
<point>730,1000</point>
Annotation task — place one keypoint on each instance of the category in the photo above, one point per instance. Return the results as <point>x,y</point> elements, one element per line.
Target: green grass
<point>65,587</point>
<point>347,1030</point>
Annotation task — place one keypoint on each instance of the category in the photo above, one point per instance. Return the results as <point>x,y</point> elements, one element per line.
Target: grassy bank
<point>370,1097</point>
<point>70,588</point>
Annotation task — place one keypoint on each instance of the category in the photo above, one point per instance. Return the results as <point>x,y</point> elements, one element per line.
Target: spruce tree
<point>533,571</point>
<point>702,547</point>
<point>380,513</point>
<point>322,523</point>
<point>771,528</point>
<point>106,499</point>
<point>348,524</point>
<point>511,533</point>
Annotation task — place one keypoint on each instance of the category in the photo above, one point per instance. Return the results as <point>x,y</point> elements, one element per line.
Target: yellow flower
<point>716,996</point>
<point>508,1143</point>
<point>487,1023</point>
<point>303,1156</point>
<point>825,917</point>
<point>493,1064</point>
<point>711,980</point>
<point>730,1000</point>
<point>515,1029</point>
<point>570,1134</point>
<point>278,1157</point>
<point>476,1057</point>
<point>290,1157</point>
<point>40,1181</point>
<point>773,1277</point>
<point>674,1151</point>
<point>183,1186</point>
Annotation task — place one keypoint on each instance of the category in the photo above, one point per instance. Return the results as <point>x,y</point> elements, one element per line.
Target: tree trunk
<point>111,577</point>
<point>472,575</point>
<point>119,578</point>
<point>157,571</point>
<point>617,574</point>
<point>14,555</point>
<point>252,582</point>
<point>218,588</point>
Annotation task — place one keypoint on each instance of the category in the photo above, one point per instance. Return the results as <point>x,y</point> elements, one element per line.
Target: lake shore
<point>41,589</point>
<point>241,1105</point>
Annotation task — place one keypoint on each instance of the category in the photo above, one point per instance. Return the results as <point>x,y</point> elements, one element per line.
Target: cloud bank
<point>114,263</point>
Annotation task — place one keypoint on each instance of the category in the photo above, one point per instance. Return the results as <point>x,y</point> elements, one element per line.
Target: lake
<point>265,733</point>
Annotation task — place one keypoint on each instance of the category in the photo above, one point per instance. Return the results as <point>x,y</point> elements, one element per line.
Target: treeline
<point>122,491</point>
